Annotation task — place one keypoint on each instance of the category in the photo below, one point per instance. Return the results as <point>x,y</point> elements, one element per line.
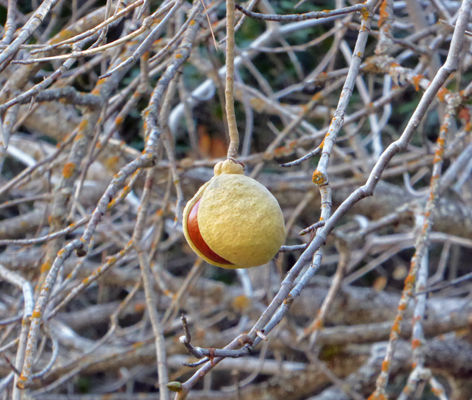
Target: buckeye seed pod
<point>233,221</point>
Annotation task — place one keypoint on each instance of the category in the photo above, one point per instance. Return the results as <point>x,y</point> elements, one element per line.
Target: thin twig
<point>229,88</point>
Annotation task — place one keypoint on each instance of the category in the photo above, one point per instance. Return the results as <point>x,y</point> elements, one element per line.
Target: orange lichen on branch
<point>112,162</point>
<point>402,306</point>
<point>140,306</point>
<point>68,170</point>
<point>21,382</point>
<point>383,14</point>
<point>385,365</point>
<point>464,114</point>
<point>45,267</point>
<point>61,36</point>
<point>288,300</point>
<point>439,153</point>
<point>365,13</point>
<point>240,303</point>
<point>317,324</point>
<point>442,94</point>
<point>396,328</point>
<point>416,81</point>
<point>377,396</point>
<point>410,280</point>
<point>82,126</point>
<point>304,109</point>
<point>317,96</point>
<point>319,178</point>
<point>282,151</point>
<point>80,136</point>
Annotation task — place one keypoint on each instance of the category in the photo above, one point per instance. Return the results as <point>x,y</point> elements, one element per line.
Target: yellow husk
<point>239,219</point>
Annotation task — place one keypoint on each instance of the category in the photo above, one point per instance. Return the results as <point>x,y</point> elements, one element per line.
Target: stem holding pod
<point>229,90</point>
